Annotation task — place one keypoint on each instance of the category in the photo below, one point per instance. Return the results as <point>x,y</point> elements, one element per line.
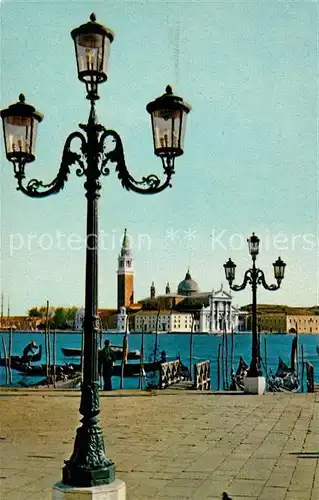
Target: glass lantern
<point>168,115</point>
<point>253,245</point>
<point>279,269</point>
<point>20,123</point>
<point>230,268</point>
<point>92,43</point>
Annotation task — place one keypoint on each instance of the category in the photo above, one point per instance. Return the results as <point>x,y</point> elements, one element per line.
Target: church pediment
<point>221,294</point>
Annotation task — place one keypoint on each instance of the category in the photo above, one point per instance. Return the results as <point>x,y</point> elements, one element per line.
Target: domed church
<point>187,310</point>
<point>187,286</point>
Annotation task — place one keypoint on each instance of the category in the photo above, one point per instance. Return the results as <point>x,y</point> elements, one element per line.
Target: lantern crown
<point>21,108</point>
<point>168,100</point>
<point>93,27</point>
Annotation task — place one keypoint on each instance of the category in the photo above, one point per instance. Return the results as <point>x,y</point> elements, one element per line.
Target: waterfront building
<point>274,318</point>
<point>122,324</point>
<point>187,310</point>
<point>20,323</point>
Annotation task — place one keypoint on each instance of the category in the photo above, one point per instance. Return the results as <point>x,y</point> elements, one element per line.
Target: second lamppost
<point>254,277</point>
<point>88,465</point>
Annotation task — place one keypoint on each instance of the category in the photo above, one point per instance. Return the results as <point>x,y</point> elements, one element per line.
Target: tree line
<point>58,317</point>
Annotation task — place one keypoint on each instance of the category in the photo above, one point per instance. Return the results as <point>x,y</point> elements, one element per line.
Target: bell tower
<point>125,275</point>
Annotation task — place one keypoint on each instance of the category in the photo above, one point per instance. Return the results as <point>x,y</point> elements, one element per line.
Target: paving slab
<point>175,444</point>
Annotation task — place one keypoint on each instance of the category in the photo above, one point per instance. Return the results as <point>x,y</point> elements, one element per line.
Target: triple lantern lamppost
<point>88,464</point>
<point>254,277</point>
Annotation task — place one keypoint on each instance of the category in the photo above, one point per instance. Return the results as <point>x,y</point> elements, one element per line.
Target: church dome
<point>187,286</point>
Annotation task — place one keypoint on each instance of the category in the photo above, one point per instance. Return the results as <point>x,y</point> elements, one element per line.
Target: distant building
<point>122,325</point>
<point>283,319</point>
<point>187,310</point>
<point>79,319</point>
<point>23,323</point>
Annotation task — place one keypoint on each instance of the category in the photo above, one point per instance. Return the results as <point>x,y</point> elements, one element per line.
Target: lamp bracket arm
<point>261,280</point>
<point>36,188</point>
<point>247,279</point>
<point>147,185</point>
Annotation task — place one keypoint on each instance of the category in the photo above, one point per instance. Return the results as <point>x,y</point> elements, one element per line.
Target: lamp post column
<point>92,186</point>
<point>88,465</point>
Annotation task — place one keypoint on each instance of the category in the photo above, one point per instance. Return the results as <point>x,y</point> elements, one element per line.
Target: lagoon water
<point>204,347</point>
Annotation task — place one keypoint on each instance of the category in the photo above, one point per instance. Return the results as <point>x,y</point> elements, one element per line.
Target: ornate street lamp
<point>254,277</point>
<point>88,465</point>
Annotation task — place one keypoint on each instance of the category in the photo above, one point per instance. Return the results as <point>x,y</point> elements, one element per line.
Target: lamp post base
<point>112,491</point>
<point>74,475</point>
<point>254,385</point>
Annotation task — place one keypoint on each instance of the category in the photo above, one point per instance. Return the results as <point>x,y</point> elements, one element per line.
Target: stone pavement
<point>169,444</point>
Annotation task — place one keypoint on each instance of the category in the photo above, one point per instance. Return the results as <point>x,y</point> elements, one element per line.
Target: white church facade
<point>188,310</point>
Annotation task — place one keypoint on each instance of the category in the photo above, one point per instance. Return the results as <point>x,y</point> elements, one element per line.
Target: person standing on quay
<point>106,362</point>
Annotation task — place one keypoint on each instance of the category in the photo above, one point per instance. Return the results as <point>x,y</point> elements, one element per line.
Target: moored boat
<point>286,378</point>
<point>237,379</point>
<point>74,352</point>
<point>22,360</point>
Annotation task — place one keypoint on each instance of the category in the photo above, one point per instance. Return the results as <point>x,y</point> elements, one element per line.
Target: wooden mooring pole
<point>191,350</point>
<point>10,355</point>
<point>141,360</point>
<point>5,359</point>
<point>302,369</point>
<point>232,349</point>
<point>82,354</point>
<point>54,358</point>
<point>226,359</point>
<point>218,368</point>
<point>47,345</point>
<point>124,354</point>
<point>265,354</point>
<point>223,361</point>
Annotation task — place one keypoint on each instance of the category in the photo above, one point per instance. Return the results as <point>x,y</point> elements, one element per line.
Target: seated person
<point>30,350</point>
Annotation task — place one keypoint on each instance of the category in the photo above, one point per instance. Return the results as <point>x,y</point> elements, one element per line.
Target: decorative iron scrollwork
<point>36,188</point>
<point>150,184</point>
<point>248,278</point>
<point>261,280</point>
<point>252,276</point>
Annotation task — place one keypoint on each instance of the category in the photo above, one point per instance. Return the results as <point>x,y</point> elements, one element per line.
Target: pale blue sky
<point>249,71</point>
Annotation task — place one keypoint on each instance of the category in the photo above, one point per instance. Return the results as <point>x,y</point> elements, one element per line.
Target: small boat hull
<point>70,352</point>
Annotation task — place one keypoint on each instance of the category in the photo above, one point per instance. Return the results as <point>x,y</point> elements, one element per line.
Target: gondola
<point>22,360</point>
<point>74,352</point>
<point>130,369</point>
<point>133,369</point>
<point>41,370</point>
<point>237,379</point>
<point>72,381</point>
<point>286,378</point>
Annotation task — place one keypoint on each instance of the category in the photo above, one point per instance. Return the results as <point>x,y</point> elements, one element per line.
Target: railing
<point>310,377</point>
<point>202,376</point>
<point>170,373</point>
